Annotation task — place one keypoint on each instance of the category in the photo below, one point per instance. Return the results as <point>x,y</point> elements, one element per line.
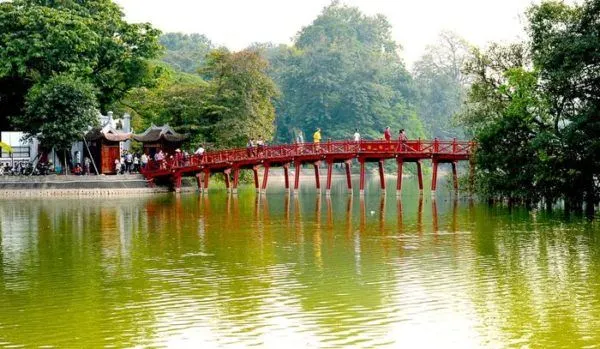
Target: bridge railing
<point>285,151</point>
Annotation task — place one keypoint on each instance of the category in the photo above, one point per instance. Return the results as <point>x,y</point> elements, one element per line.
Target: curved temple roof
<point>155,133</point>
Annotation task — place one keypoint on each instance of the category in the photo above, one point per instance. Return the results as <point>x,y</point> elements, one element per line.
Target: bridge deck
<point>233,160</point>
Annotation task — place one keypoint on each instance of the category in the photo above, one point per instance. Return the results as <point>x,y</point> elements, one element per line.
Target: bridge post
<point>199,181</point>
<point>206,178</point>
<point>420,176</point>
<point>176,181</point>
<point>400,163</point>
<point>317,175</point>
<point>348,175</point>
<point>297,166</point>
<point>434,177</point>
<point>329,170</point>
<point>381,175</point>
<point>454,176</point>
<point>255,172</point>
<point>227,179</point>
<point>362,176</point>
<point>236,179</point>
<point>265,177</point>
<point>286,176</point>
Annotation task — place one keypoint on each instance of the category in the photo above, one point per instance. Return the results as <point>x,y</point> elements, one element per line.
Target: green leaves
<point>42,39</point>
<point>59,110</point>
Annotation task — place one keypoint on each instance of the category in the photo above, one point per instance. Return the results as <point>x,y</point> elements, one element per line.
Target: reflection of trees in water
<point>227,262</point>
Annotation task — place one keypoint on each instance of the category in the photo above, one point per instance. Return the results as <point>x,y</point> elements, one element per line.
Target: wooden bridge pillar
<point>400,163</point>
<point>206,178</point>
<point>297,166</point>
<point>381,175</point>
<point>236,179</point>
<point>255,172</point>
<point>317,176</point>
<point>347,164</point>
<point>362,176</point>
<point>329,173</point>
<point>199,181</point>
<point>434,177</point>
<point>454,175</point>
<point>226,174</point>
<point>286,176</point>
<point>265,177</point>
<point>176,181</point>
<point>420,176</point>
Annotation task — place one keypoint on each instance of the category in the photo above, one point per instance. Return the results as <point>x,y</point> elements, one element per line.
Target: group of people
<point>255,147</point>
<point>130,162</point>
<point>387,135</point>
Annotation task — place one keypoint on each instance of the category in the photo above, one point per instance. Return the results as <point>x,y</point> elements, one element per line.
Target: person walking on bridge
<point>356,136</point>
<point>402,140</point>
<point>317,138</point>
<point>387,134</point>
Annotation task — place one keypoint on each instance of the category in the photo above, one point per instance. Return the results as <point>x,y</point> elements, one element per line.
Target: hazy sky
<point>416,23</point>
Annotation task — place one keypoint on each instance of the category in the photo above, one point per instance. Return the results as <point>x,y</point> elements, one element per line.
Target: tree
<point>41,39</point>
<point>59,111</point>
<point>534,109</point>
<point>344,72</point>
<point>185,52</point>
<point>441,86</point>
<point>235,101</point>
<point>240,101</point>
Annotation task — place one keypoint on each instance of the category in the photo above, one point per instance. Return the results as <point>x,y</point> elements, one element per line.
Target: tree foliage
<point>185,52</point>
<point>233,102</point>
<point>534,108</point>
<point>344,72</point>
<point>59,111</point>
<point>440,84</point>
<point>40,39</point>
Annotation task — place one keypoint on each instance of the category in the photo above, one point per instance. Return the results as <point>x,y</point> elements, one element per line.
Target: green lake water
<point>193,271</point>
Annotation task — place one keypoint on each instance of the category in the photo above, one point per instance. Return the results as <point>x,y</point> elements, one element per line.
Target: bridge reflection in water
<point>251,270</point>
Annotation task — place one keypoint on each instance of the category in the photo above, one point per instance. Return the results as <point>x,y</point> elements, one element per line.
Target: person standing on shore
<point>86,164</point>
<point>144,160</point>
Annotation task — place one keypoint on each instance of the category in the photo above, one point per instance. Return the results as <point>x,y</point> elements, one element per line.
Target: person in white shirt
<point>356,136</point>
<point>199,151</point>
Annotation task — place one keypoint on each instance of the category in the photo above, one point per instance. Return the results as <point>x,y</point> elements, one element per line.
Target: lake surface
<point>194,271</point>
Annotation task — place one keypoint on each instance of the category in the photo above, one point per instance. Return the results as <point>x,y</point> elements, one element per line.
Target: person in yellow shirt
<point>317,136</point>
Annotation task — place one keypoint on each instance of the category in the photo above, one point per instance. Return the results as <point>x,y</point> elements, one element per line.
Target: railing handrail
<point>266,152</point>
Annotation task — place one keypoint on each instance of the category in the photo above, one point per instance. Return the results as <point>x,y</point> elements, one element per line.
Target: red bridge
<point>231,162</point>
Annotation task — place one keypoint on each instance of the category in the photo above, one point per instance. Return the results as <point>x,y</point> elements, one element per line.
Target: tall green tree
<point>185,52</point>
<point>440,84</point>
<point>534,109</point>
<point>344,72</point>
<point>59,111</point>
<point>40,39</point>
<point>230,102</point>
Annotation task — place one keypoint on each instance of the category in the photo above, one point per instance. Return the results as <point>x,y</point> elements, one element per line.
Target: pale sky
<point>416,23</point>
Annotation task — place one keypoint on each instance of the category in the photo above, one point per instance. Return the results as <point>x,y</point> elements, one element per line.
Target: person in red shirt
<point>387,134</point>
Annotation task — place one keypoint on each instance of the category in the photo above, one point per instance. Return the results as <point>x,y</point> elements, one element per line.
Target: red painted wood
<point>454,176</point>
<point>286,175</point>
<point>381,175</point>
<point>265,177</point>
<point>255,172</point>
<point>297,175</point>
<point>399,178</point>
<point>329,172</point>
<point>434,177</point>
<point>317,175</point>
<point>438,151</point>
<point>420,175</point>
<point>362,175</point>
<point>348,174</point>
